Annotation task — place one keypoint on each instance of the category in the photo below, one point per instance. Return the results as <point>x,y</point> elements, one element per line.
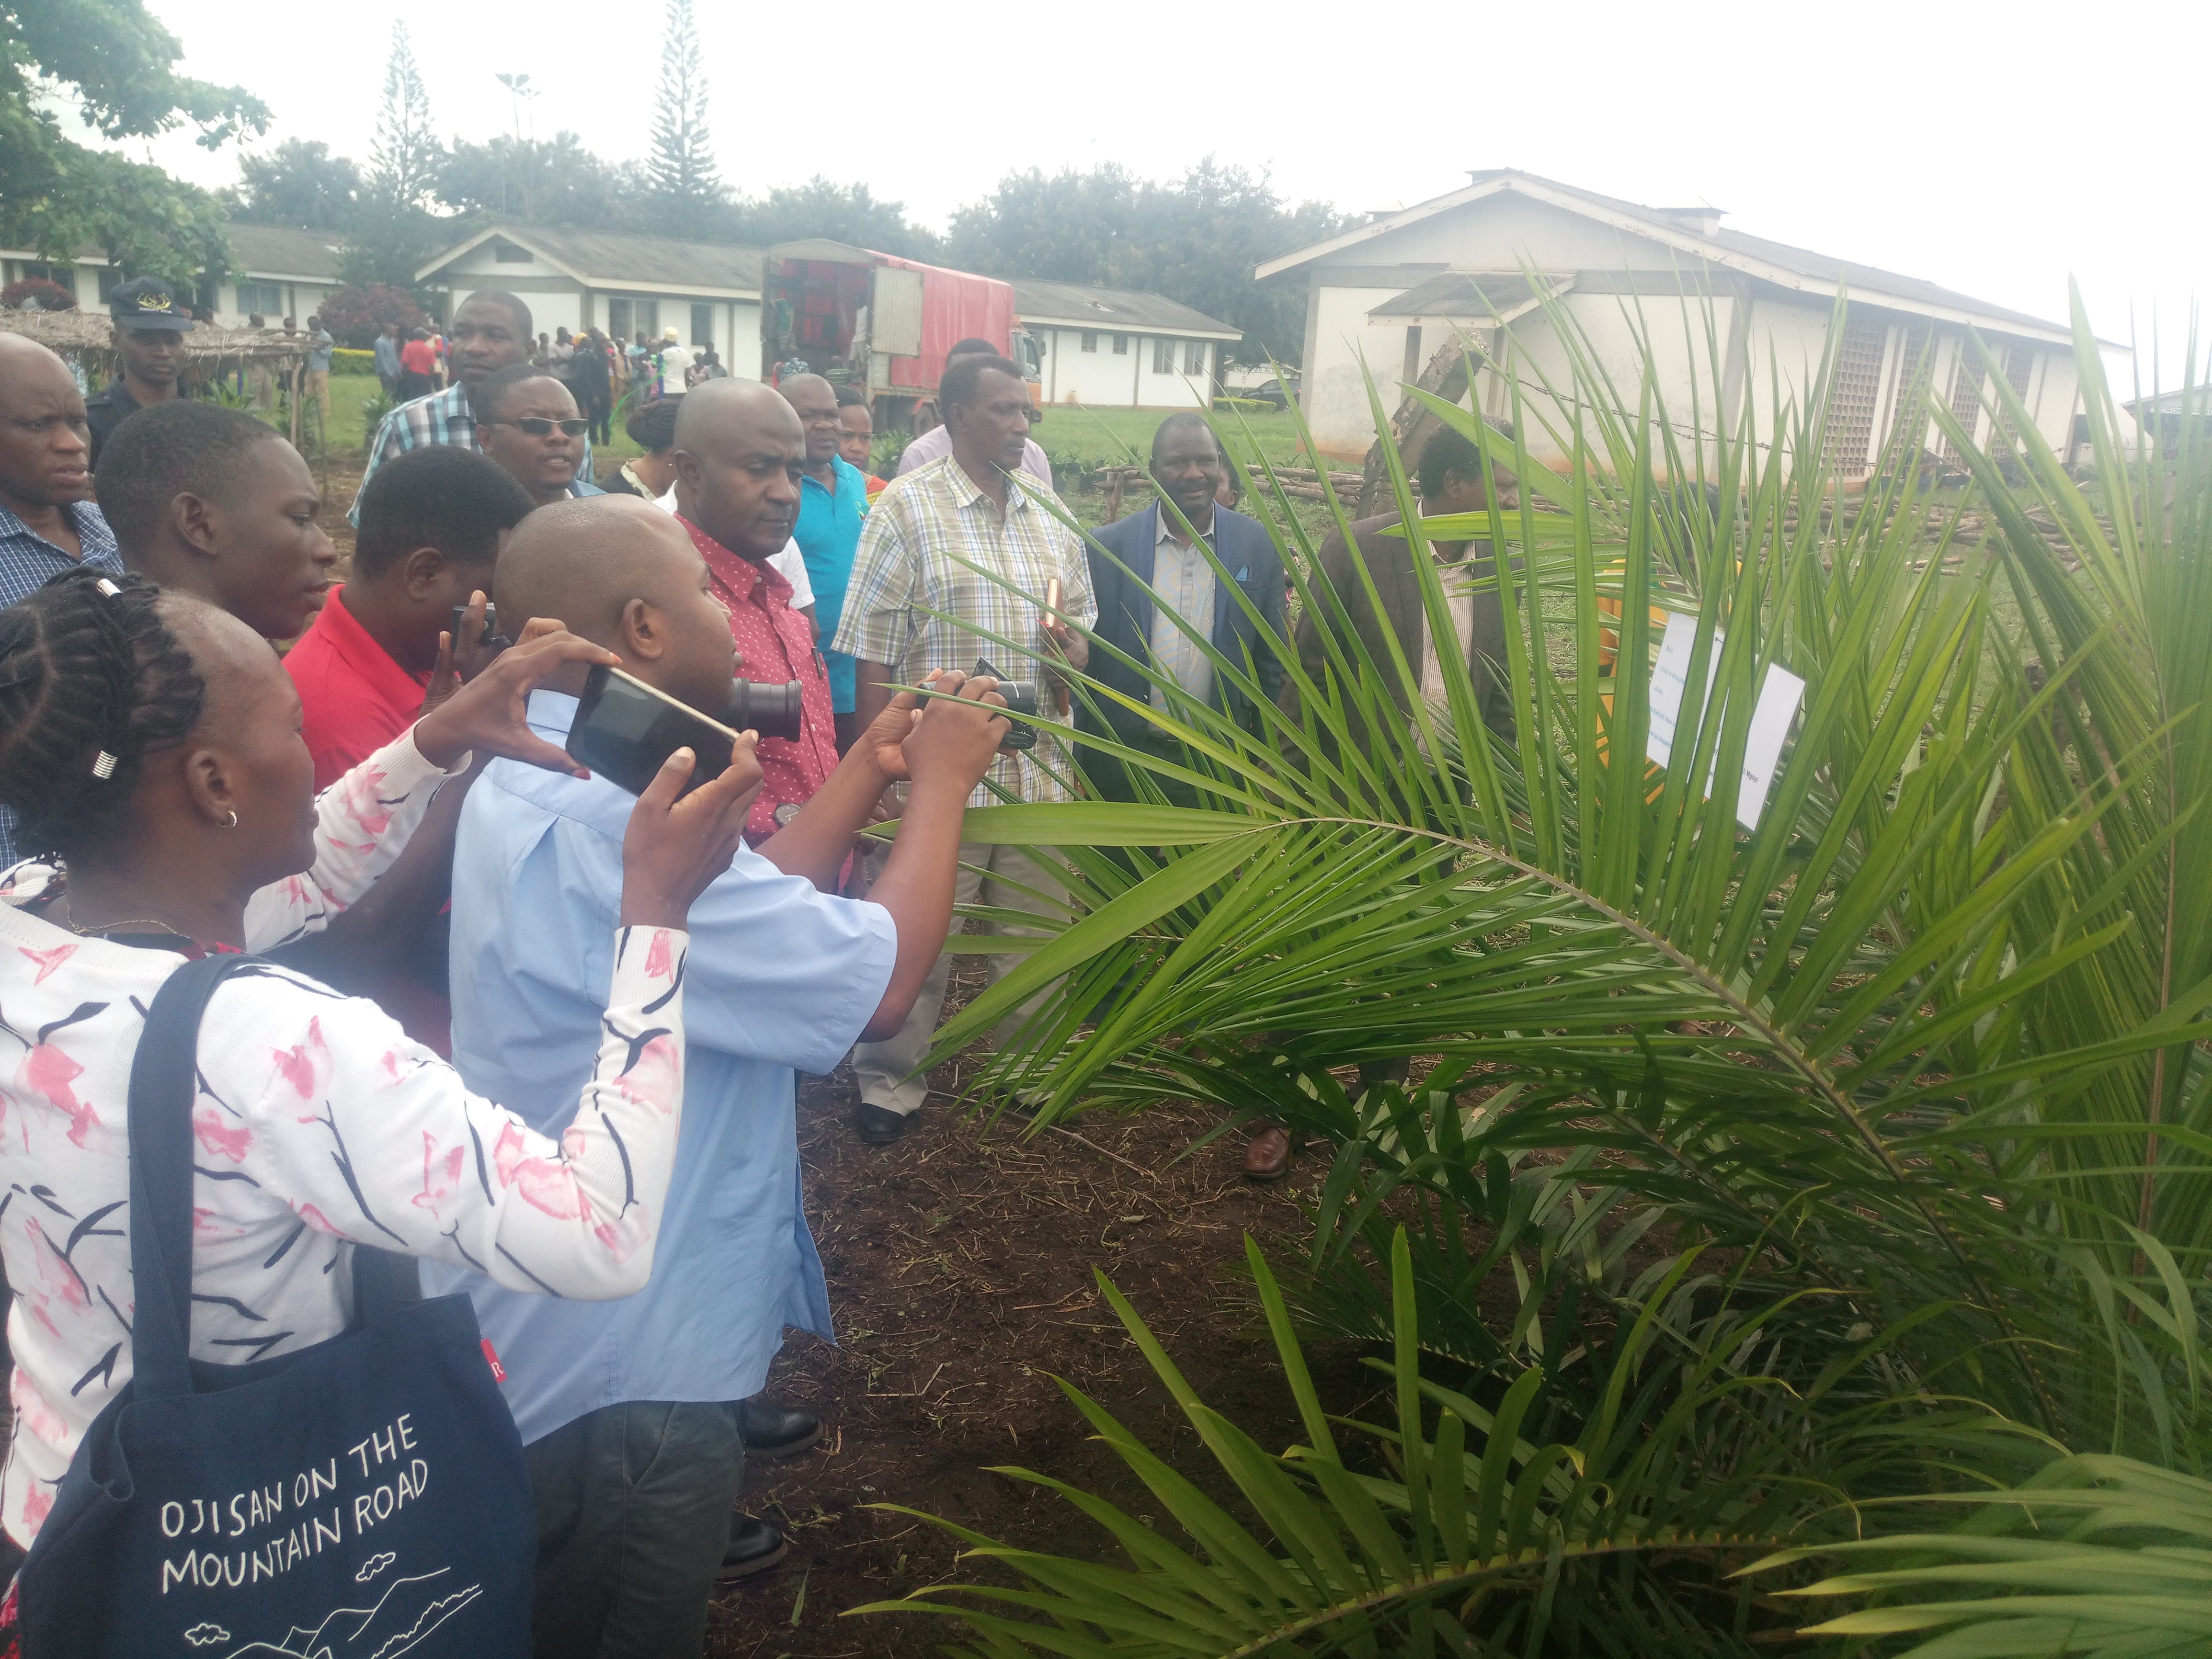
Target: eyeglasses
<point>539,427</point>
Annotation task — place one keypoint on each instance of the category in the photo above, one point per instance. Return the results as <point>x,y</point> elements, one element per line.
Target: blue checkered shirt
<point>442,419</point>
<point>27,563</point>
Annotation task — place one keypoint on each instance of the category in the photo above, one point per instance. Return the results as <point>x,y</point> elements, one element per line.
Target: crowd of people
<point>468,942</point>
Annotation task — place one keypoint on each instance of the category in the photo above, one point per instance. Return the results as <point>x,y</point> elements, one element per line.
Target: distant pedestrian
<point>150,345</point>
<point>560,358</point>
<point>419,367</point>
<point>644,368</point>
<point>387,359</point>
<point>319,344</point>
<point>833,503</point>
<point>790,365</point>
<point>675,364</point>
<point>936,443</point>
<point>590,370</point>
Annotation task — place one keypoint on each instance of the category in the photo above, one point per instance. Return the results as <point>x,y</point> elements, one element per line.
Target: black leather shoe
<point>879,1125</point>
<point>771,1431</point>
<point>755,1546</point>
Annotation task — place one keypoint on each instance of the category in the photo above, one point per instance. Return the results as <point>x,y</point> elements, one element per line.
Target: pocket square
<point>1244,574</point>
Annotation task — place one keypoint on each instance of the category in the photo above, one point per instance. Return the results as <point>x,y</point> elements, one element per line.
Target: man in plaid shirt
<point>919,600</point>
<point>490,332</point>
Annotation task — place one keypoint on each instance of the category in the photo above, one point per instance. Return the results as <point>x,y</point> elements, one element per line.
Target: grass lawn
<point>1091,438</point>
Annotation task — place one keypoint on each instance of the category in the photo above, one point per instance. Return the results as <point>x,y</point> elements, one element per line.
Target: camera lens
<point>774,711</point>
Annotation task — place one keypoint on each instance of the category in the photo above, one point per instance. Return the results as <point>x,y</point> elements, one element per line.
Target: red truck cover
<point>956,305</point>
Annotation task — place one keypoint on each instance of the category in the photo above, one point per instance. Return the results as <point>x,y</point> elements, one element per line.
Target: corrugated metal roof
<point>1081,304</point>
<point>1474,296</point>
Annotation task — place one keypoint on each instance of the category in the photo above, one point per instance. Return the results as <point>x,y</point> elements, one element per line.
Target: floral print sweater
<point>319,1125</point>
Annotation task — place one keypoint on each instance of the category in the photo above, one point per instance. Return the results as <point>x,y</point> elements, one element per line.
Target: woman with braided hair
<point>152,744</point>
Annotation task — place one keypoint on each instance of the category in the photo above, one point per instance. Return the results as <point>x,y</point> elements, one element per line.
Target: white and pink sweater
<point>319,1125</point>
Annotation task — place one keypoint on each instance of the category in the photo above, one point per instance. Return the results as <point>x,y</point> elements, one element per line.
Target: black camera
<point>774,711</point>
<point>491,625</point>
<point>1021,697</point>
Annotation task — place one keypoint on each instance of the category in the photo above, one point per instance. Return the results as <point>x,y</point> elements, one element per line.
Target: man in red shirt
<point>432,524</point>
<point>740,450</point>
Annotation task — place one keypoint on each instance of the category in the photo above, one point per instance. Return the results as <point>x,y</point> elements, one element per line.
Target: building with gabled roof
<point>1492,255</point>
<point>623,284</point>
<point>1121,348</point>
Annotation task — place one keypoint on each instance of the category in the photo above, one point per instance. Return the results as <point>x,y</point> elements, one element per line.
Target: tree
<point>404,160</point>
<point>394,232</point>
<point>555,182</point>
<point>1195,240</point>
<point>56,195</point>
<point>681,178</point>
<point>356,316</point>
<point>843,213</point>
<point>300,183</point>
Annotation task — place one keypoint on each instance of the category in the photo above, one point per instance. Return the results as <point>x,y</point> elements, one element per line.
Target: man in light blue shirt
<point>624,1407</point>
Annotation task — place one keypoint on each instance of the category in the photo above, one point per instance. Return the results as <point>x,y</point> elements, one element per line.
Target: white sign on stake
<point>1779,694</point>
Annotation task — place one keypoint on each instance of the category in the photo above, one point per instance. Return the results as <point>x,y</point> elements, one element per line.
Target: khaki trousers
<point>882,1068</point>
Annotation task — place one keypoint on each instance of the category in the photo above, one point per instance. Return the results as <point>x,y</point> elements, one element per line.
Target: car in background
<point>1273,392</point>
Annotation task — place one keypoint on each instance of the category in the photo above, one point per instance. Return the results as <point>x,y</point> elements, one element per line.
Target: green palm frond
<point>1462,1533</point>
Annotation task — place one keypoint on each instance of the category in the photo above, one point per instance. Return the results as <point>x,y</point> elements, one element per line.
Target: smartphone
<point>624,729</point>
<point>1052,592</point>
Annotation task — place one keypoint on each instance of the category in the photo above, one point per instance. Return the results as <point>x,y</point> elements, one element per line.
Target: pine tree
<point>681,172</point>
<point>403,163</point>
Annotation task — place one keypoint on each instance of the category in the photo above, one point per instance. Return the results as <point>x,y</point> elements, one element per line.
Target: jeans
<point>600,412</point>
<point>881,1068</point>
<point>634,1507</point>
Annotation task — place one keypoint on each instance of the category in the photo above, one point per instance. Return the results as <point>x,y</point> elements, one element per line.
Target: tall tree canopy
<point>540,181</point>
<point>115,60</point>
<point>682,180</point>
<point>299,183</point>
<point>1195,239</point>
<point>394,232</point>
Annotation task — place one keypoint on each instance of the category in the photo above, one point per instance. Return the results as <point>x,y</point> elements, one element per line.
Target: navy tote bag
<point>362,1496</point>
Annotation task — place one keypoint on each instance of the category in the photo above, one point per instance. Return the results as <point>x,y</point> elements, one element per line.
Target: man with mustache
<point>740,452</point>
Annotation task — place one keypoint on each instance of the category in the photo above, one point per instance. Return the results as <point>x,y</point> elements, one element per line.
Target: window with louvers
<point>1909,390</point>
<point>1966,394</point>
<point>1852,395</point>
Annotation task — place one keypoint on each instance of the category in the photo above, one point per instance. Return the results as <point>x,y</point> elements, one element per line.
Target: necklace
<point>128,921</point>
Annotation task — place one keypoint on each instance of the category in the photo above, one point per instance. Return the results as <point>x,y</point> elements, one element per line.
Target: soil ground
<point>960,1268</point>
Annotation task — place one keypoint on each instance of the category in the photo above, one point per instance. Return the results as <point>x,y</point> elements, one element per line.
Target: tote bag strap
<point>164,1082</point>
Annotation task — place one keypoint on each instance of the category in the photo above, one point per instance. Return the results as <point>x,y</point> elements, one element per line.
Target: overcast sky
<point>1994,148</point>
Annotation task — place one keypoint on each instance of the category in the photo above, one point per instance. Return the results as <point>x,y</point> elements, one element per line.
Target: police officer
<point>150,326</point>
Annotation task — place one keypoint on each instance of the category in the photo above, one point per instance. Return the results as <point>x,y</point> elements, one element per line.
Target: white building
<point>624,284</point>
<point>1392,290</point>
<point>279,273</point>
<point>1115,348</point>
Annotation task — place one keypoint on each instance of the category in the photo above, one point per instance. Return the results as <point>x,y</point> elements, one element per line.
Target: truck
<point>882,324</point>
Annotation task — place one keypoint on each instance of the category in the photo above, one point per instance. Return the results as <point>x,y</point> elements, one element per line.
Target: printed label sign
<point>1779,694</point>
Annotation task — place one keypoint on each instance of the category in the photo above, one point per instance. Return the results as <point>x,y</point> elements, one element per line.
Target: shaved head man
<point>782,974</point>
<point>740,453</point>
<point>48,523</point>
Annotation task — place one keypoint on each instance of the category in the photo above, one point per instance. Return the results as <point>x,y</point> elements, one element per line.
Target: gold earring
<point>231,822</point>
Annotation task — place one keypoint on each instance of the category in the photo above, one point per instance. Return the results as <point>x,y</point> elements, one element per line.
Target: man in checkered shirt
<point>48,523</point>
<point>919,601</point>
<point>490,332</point>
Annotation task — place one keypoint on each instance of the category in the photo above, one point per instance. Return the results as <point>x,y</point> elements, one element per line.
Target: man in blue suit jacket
<point>1148,549</point>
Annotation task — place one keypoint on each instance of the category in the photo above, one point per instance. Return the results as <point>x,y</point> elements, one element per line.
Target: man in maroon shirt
<point>739,452</point>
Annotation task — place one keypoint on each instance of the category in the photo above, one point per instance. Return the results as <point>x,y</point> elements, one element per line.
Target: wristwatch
<point>786,813</point>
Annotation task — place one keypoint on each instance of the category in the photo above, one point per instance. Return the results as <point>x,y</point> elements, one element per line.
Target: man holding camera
<point>739,453</point>
<point>953,561</point>
<point>627,1409</point>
